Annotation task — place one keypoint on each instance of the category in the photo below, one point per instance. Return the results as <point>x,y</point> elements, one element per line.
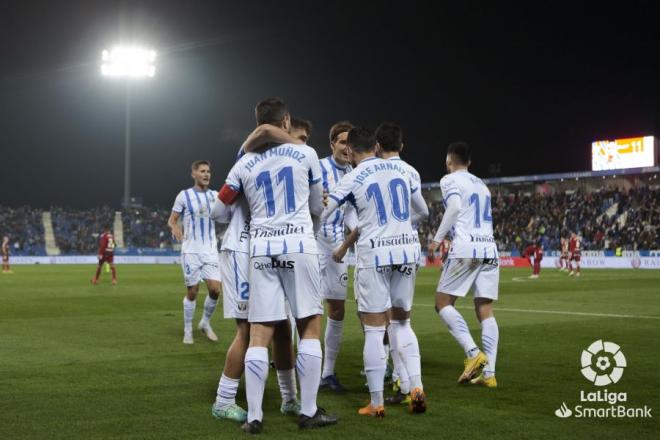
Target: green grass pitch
<point>83,361</point>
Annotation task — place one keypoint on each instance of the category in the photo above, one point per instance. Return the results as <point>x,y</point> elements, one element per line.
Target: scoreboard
<point>618,154</point>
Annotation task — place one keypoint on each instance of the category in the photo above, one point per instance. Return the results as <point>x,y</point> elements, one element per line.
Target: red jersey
<point>574,245</point>
<point>5,249</point>
<point>533,251</point>
<point>107,243</point>
<point>564,246</point>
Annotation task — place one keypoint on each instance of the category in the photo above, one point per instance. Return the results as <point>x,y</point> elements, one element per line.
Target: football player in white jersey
<point>472,263</point>
<point>334,275</point>
<point>282,188</point>
<point>234,266</point>
<point>380,191</point>
<point>389,144</point>
<point>199,250</point>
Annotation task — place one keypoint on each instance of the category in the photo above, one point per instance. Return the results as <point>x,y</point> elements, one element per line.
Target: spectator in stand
<point>25,230</point>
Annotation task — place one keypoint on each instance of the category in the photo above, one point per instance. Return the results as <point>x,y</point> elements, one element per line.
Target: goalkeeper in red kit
<point>106,254</point>
<point>534,253</point>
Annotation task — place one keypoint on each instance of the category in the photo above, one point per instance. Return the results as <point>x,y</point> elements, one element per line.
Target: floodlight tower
<point>128,63</point>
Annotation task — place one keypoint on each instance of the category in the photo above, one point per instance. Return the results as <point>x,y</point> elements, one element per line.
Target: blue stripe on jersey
<point>192,214</point>
<point>334,225</point>
<point>337,199</point>
<point>201,219</point>
<point>301,247</point>
<point>284,247</point>
<point>254,249</point>
<point>336,165</point>
<point>324,176</point>
<point>268,248</point>
<point>236,273</point>
<point>312,181</point>
<point>351,198</point>
<point>474,252</point>
<point>376,260</point>
<point>449,195</point>
<point>485,253</point>
<point>391,259</point>
<point>211,224</point>
<point>405,258</point>
<point>334,169</point>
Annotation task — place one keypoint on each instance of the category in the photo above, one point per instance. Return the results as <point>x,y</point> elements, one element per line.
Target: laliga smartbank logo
<point>602,364</point>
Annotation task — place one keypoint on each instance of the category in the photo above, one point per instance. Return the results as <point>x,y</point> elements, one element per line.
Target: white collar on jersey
<point>335,164</point>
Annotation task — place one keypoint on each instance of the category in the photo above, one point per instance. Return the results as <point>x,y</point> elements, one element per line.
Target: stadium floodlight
<point>129,63</point>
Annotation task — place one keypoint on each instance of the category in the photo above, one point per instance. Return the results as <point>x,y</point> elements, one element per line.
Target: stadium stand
<point>146,228</point>
<point>77,232</point>
<point>25,230</point>
<point>613,214</point>
<point>624,215</point>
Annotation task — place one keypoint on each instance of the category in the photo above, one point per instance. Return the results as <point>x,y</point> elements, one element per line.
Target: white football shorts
<point>334,278</point>
<point>459,275</point>
<point>234,267</point>
<point>198,267</point>
<point>274,280</point>
<point>378,289</point>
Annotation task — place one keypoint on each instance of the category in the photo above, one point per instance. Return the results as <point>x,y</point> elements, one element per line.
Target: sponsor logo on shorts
<point>343,279</point>
<point>404,269</point>
<point>274,264</point>
<point>242,306</point>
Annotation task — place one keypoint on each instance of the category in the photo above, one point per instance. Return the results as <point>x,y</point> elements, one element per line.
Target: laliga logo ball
<point>603,363</point>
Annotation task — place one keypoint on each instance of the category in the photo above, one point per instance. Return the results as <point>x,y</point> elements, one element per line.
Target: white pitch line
<point>557,312</point>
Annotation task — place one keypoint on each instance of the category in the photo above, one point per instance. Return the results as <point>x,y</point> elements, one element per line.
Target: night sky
<point>528,86</point>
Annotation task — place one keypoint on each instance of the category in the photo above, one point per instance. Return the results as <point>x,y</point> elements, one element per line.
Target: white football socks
<point>256,373</point>
<point>459,330</point>
<point>287,382</point>
<point>308,364</point>
<point>333,331</point>
<point>490,336</point>
<point>374,362</point>
<point>408,349</point>
<point>188,314</point>
<point>209,308</point>
<point>227,389</point>
<point>399,366</point>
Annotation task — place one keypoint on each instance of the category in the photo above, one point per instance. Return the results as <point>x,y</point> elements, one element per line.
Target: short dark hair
<point>339,128</point>
<point>460,151</point>
<point>271,111</point>
<point>302,124</point>
<point>361,139</point>
<point>389,136</point>
<point>196,164</point>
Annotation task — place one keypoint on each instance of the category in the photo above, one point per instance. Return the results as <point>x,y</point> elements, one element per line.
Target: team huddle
<point>291,218</point>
